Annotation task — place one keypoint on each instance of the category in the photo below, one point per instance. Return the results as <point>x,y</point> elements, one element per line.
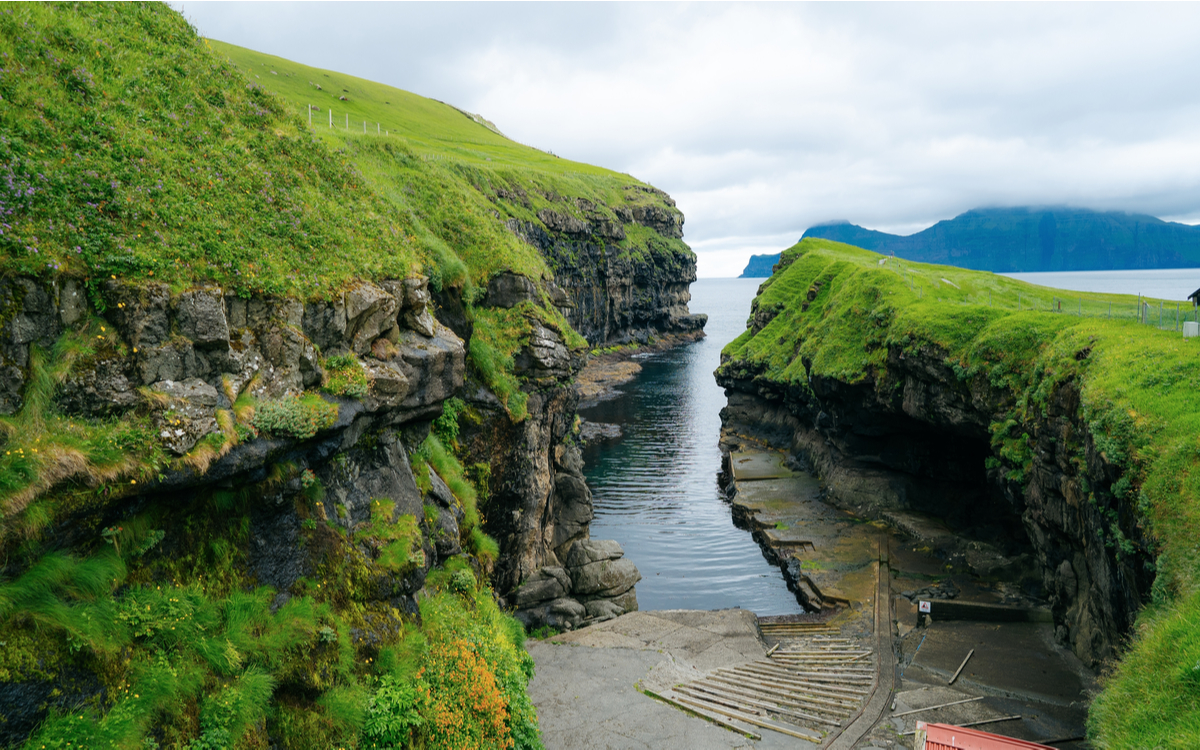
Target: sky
<point>762,120</point>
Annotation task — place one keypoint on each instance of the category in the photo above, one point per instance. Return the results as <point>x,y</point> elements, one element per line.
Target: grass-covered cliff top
<point>1137,386</point>
<point>454,170</point>
<point>133,148</point>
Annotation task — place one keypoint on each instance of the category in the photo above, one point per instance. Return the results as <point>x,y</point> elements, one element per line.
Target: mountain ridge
<point>1028,239</point>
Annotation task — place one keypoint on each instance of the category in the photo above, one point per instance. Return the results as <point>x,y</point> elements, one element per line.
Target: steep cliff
<point>923,387</point>
<point>286,413</point>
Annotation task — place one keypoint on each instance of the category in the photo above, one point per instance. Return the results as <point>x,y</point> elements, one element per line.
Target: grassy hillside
<point>406,135</point>
<point>1137,394</point>
<point>430,128</point>
<point>131,149</point>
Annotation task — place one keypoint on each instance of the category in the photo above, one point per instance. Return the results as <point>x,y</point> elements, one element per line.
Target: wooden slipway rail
<point>885,671</point>
<point>820,687</point>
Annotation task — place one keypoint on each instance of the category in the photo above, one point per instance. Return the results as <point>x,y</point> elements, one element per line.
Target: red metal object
<point>950,737</point>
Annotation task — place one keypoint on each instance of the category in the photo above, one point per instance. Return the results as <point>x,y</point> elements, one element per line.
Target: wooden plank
<point>853,692</point>
<point>820,691</point>
<point>766,703</point>
<point>961,666</point>
<point>940,705</point>
<point>825,653</point>
<point>774,692</point>
<point>714,718</point>
<point>779,673</point>
<point>814,737</point>
<point>821,704</point>
<point>737,705</point>
<point>791,675</point>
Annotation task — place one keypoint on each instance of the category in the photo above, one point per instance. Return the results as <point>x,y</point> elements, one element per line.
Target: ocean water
<point>1159,283</point>
<point>655,489</point>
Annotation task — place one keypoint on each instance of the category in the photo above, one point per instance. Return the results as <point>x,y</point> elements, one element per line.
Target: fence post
<point>331,117</point>
<point>1079,300</point>
<point>1160,305</point>
<point>347,121</point>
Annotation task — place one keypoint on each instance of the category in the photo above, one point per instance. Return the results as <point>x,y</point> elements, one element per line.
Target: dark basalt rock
<point>509,290</point>
<point>919,440</point>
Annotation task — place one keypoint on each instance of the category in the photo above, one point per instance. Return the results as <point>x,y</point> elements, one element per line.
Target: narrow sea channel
<point>655,488</point>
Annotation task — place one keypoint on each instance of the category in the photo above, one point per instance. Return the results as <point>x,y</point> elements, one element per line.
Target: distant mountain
<point>1008,240</point>
<point>760,266</point>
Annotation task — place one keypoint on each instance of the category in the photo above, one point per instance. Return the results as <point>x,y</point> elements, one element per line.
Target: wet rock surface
<point>918,442</point>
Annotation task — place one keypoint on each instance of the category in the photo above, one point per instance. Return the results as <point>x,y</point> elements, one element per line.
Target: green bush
<point>345,376</point>
<point>298,417</point>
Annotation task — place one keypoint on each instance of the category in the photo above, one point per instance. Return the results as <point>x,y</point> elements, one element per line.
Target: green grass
<point>1136,392</point>
<point>451,170</point>
<point>136,152</point>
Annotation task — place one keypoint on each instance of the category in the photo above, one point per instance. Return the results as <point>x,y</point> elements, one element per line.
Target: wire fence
<point>1167,315</point>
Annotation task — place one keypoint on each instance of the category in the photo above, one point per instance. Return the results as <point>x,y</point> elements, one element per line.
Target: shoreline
<point>604,372</point>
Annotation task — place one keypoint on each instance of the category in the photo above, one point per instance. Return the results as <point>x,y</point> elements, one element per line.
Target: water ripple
<point>655,490</point>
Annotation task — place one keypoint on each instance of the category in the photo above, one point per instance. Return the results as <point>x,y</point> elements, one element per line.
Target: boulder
<point>572,508</point>
<point>545,356</point>
<point>370,312</point>
<point>606,578</point>
<point>507,290</point>
<point>603,609</point>
<point>201,317</point>
<point>417,307</point>
<point>434,367</point>
<point>546,584</point>
<point>189,413</point>
<point>593,550</point>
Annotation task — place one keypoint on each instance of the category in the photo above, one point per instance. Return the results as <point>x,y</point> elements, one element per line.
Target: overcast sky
<point>762,120</point>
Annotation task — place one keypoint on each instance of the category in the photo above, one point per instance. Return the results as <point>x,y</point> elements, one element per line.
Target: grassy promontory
<point>135,154</point>
<point>834,310</point>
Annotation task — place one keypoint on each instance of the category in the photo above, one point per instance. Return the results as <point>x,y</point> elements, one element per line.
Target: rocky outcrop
<point>618,291</point>
<point>540,506</point>
<point>918,437</point>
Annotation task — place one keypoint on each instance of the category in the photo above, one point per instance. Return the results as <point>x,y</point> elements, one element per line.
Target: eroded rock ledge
<point>918,438</point>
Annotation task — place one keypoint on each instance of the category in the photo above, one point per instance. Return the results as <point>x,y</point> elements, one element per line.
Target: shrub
<point>400,539</point>
<point>345,376</point>
<point>299,417</point>
<point>446,426</point>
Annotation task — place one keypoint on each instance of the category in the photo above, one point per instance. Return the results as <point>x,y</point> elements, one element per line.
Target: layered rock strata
<point>917,437</point>
<point>618,291</point>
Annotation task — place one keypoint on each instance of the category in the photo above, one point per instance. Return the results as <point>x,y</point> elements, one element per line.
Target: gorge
<point>291,437</point>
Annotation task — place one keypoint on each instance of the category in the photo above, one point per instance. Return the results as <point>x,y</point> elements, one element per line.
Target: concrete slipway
<point>859,673</point>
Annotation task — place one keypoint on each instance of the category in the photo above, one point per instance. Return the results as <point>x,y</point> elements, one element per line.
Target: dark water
<point>655,489</point>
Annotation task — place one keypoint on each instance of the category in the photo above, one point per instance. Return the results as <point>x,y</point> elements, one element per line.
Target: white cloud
<point>762,120</point>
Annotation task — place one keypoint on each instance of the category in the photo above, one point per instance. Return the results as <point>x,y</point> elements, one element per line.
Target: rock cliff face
<point>618,293</point>
<point>183,358</point>
<point>918,438</point>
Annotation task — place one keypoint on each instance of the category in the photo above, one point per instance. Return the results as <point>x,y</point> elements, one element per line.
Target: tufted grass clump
<point>398,537</point>
<point>299,417</point>
<point>345,376</point>
<point>41,448</point>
